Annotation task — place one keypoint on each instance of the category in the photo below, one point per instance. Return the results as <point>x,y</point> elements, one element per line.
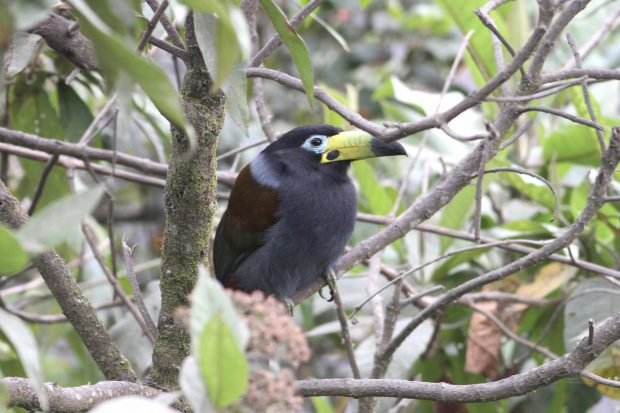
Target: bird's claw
<point>330,279</point>
<point>290,305</point>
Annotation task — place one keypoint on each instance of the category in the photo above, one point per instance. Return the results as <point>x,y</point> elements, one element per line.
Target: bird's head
<point>326,144</point>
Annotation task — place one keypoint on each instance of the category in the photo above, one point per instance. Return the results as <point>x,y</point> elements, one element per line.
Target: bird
<point>292,210</point>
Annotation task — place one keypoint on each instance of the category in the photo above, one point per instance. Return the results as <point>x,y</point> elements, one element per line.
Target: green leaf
<point>205,6</point>
<point>119,15</point>
<point>222,363</point>
<point>322,404</point>
<point>526,227</point>
<point>218,43</point>
<point>456,213</point>
<point>13,258</point>
<point>51,225</point>
<point>75,115</point>
<point>581,307</point>
<point>235,89</point>
<point>295,44</point>
<point>27,13</point>
<point>118,58</point>
<point>210,300</point>
<point>332,118</point>
<point>21,51</point>
<point>572,143</point>
<point>537,192</point>
<point>480,44</point>
<point>379,202</point>
<point>24,343</point>
<point>6,30</point>
<point>454,261</point>
<point>31,111</point>
<point>405,355</point>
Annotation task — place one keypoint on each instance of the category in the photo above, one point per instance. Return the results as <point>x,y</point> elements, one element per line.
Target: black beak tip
<point>381,148</point>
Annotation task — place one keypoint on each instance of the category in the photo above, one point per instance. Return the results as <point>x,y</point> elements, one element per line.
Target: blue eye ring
<point>316,144</point>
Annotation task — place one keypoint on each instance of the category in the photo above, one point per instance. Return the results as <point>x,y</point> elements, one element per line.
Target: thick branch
<point>569,365</point>
<point>433,229</point>
<point>62,36</point>
<point>52,146</point>
<point>595,201</point>
<point>74,305</point>
<point>189,200</point>
<point>71,399</point>
<point>426,206</point>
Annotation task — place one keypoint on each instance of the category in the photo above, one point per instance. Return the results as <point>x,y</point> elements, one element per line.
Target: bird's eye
<point>315,144</point>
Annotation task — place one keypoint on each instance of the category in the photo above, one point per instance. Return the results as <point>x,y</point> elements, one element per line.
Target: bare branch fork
<point>569,365</point>
<point>610,159</point>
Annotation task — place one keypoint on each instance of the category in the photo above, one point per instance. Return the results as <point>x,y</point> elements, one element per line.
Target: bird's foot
<point>330,279</point>
<point>290,305</point>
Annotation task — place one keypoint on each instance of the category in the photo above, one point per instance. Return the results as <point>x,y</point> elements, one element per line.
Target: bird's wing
<point>250,213</point>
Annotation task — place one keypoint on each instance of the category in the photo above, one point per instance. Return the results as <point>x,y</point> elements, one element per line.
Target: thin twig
<point>49,318</point>
<point>488,22</point>
<point>346,336</point>
<point>168,27</point>
<point>538,95</point>
<point>41,184</point>
<point>504,297</point>
<point>275,42</point>
<point>610,159</point>
<point>378,315</point>
<point>146,35</point>
<point>508,332</point>
<point>250,9</point>
<point>454,68</point>
<point>135,287</point>
<point>562,114</point>
<point>242,149</point>
<point>478,194</point>
<point>451,133</point>
<point>104,116</point>
<point>533,175</point>
<point>605,30</point>
<point>392,312</point>
<point>89,235</point>
<point>72,163</point>
<point>433,229</point>
<point>167,47</point>
<point>415,297</point>
<point>519,132</point>
<point>439,258</point>
<point>585,91</point>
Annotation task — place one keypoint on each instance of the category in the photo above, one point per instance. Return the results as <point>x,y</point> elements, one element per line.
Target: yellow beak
<point>355,145</point>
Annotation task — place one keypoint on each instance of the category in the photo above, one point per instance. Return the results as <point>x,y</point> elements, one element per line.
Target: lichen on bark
<point>190,204</point>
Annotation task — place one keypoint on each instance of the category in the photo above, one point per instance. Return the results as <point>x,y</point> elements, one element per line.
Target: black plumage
<point>292,210</point>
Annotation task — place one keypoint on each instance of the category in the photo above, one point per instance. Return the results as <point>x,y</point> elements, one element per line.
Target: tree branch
<point>189,202</point>
<point>71,399</point>
<point>610,159</point>
<point>61,35</point>
<point>570,365</point>
<point>74,150</point>
<point>74,305</point>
